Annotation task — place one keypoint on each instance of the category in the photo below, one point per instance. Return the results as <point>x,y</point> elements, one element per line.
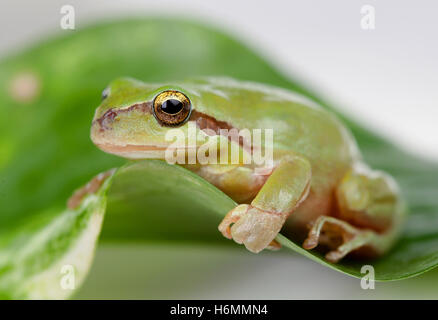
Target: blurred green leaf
<point>45,153</point>
<point>49,255</point>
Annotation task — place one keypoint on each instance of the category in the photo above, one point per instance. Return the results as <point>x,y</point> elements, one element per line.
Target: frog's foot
<point>253,227</point>
<point>341,236</point>
<point>232,217</point>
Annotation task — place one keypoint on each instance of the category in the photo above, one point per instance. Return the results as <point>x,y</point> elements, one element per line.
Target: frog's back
<point>299,124</point>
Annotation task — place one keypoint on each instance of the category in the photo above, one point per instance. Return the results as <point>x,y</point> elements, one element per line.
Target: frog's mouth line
<point>113,148</point>
<point>137,151</point>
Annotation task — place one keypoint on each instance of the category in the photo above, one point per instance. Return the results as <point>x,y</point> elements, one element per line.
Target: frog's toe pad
<point>255,228</point>
<point>232,217</point>
<point>274,246</point>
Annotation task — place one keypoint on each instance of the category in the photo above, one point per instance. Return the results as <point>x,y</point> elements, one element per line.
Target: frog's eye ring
<point>172,108</point>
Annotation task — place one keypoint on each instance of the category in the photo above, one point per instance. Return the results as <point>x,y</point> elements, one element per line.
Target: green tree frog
<point>316,190</point>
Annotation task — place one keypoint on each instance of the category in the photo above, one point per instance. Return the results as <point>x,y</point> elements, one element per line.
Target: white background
<point>386,78</point>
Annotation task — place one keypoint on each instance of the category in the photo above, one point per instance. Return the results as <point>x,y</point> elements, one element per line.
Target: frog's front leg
<point>257,224</point>
<point>369,217</point>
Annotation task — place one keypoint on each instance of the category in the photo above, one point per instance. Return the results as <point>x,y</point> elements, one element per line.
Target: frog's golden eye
<point>172,108</point>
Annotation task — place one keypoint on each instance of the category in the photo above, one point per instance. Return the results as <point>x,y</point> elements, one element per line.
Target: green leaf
<point>184,207</point>
<point>46,153</point>
<point>145,206</point>
<point>48,256</point>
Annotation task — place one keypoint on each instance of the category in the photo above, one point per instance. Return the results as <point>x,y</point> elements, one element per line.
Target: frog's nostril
<point>105,93</point>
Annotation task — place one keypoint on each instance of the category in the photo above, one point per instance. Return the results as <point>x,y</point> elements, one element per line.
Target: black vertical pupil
<point>172,106</point>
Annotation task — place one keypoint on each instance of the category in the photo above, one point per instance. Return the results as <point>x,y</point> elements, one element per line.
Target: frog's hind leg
<point>369,217</point>
<point>340,235</point>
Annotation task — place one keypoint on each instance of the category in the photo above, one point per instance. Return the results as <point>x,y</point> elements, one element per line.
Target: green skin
<point>319,189</point>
